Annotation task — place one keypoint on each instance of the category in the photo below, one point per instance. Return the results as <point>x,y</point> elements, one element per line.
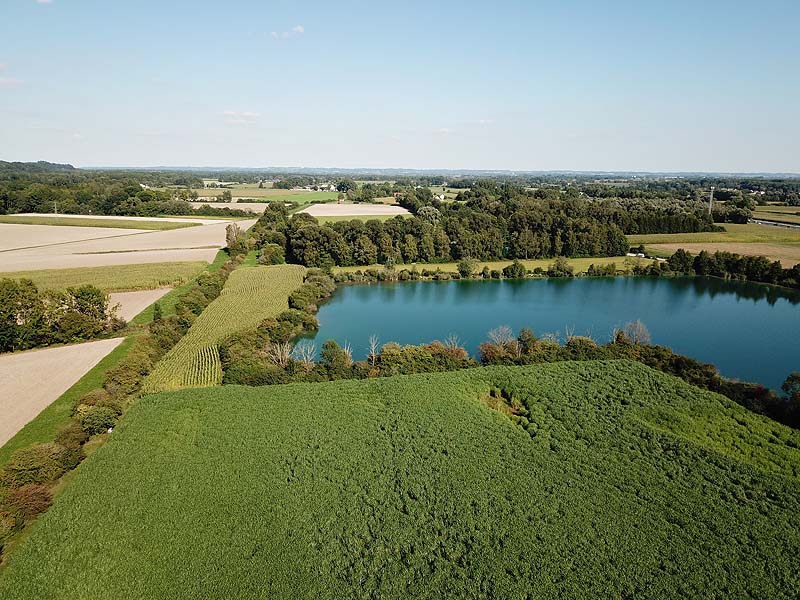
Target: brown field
<point>253,207</point>
<point>32,380</point>
<point>788,255</point>
<point>349,210</point>
<point>132,303</point>
<point>32,247</point>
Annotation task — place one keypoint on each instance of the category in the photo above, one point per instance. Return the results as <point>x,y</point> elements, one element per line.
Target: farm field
<point>122,278</point>
<point>132,303</point>
<point>33,380</point>
<point>775,243</point>
<point>241,191</point>
<point>581,265</point>
<point>350,210</point>
<point>253,207</point>
<point>426,486</point>
<point>33,247</point>
<point>250,295</point>
<point>790,215</point>
<point>108,222</point>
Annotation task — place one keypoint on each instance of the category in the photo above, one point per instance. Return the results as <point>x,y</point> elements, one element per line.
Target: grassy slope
<point>154,225</point>
<point>250,295</point>
<point>119,278</point>
<point>580,264</point>
<point>412,487</point>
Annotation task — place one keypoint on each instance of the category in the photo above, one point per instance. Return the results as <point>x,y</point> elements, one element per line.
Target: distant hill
<point>568,480</point>
<point>41,166</point>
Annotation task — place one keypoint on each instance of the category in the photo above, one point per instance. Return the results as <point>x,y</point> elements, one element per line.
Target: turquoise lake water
<point>750,332</point>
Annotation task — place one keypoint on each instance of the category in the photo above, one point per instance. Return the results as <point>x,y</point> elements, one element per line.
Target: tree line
<point>30,318</point>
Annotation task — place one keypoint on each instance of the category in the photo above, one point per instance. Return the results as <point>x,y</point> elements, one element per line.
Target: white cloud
<point>285,35</point>
<point>44,1</point>
<point>485,121</point>
<point>239,117</point>
<point>443,131</point>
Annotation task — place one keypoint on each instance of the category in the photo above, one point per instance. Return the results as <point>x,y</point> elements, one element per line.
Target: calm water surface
<point>751,332</point>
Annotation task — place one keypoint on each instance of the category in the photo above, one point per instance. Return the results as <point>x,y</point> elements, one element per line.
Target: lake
<point>750,332</point>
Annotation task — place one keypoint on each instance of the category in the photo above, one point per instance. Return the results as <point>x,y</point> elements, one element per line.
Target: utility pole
<point>711,200</point>
<point>55,207</point>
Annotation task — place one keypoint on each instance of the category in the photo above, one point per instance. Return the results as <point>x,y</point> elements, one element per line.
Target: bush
<point>28,500</point>
<point>72,437</point>
<point>99,419</point>
<point>272,254</point>
<point>515,270</point>
<point>40,463</point>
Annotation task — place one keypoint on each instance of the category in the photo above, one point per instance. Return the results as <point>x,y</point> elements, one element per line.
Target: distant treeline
<point>494,222</point>
<point>30,318</point>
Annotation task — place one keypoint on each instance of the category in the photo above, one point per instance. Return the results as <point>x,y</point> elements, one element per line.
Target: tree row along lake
<point>751,332</point>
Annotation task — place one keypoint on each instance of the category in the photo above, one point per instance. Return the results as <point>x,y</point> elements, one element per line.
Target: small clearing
<point>32,380</point>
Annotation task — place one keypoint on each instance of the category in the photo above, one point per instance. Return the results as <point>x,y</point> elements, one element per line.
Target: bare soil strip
<point>346,210</point>
<point>30,381</point>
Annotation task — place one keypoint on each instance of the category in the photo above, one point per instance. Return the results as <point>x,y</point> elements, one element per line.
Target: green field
<point>743,234</point>
<point>580,264</point>
<point>120,278</point>
<point>269,194</point>
<point>781,214</point>
<point>154,225</point>
<point>622,483</point>
<point>335,219</point>
<point>250,295</point>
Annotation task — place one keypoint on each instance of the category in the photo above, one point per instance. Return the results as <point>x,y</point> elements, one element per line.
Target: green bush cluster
<point>30,318</point>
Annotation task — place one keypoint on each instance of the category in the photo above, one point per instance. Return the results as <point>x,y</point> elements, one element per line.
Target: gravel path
<point>31,381</point>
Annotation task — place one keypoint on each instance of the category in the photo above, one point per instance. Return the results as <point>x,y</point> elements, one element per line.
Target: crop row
<point>250,296</point>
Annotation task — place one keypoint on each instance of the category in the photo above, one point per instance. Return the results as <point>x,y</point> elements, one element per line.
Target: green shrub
<point>272,254</point>
<point>39,463</point>
<point>99,419</point>
<point>28,501</point>
<point>72,436</point>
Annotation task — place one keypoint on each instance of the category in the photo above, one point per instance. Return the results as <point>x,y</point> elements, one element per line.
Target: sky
<point>642,85</point>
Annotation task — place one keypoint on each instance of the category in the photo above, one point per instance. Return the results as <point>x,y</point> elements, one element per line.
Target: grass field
<point>781,214</point>
<point>270,194</point>
<point>114,279</point>
<point>154,225</point>
<point>776,243</point>
<point>623,483</point>
<point>580,264</point>
<point>324,220</point>
<point>250,295</point>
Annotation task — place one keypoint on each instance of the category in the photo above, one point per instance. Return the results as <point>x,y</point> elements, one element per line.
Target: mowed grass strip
<point>119,278</point>
<point>250,295</point>
<point>624,482</point>
<point>581,265</point>
<point>154,225</point>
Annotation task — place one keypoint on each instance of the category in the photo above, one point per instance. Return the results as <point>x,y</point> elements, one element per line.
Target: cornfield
<point>250,296</point>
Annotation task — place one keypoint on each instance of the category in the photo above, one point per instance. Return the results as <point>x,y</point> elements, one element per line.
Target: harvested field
<point>132,303</point>
<point>788,255</point>
<point>26,392</point>
<point>122,278</point>
<point>77,248</point>
<point>579,264</point>
<point>344,210</point>
<point>71,221</point>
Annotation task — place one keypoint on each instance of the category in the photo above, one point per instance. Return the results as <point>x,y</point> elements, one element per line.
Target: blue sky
<point>660,86</point>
